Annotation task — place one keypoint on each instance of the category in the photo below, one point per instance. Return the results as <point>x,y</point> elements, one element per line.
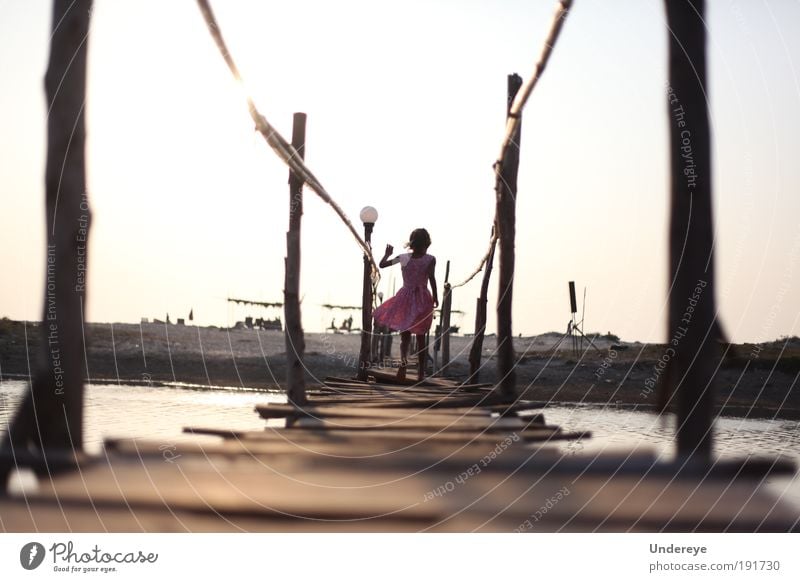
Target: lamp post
<point>368,216</point>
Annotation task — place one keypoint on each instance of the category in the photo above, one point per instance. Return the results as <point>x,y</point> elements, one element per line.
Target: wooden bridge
<point>370,455</point>
<point>378,456</point>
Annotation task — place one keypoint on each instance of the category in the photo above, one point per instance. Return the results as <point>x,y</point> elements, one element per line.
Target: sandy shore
<point>759,382</point>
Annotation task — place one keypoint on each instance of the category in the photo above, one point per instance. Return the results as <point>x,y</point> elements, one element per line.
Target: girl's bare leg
<point>405,340</point>
<point>422,355</point>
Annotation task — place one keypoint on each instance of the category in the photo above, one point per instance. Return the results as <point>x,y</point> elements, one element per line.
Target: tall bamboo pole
<point>293,334</point>
<point>51,414</point>
<point>506,223</point>
<point>693,329</point>
<point>476,349</point>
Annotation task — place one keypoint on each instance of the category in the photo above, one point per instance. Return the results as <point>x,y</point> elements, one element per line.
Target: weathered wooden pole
<point>693,328</point>
<point>506,225</point>
<point>379,347</point>
<point>368,216</point>
<point>51,414</point>
<point>293,332</point>
<point>447,305</point>
<point>476,350</point>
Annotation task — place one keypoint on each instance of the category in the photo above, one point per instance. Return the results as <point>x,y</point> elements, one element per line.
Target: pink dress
<point>411,309</point>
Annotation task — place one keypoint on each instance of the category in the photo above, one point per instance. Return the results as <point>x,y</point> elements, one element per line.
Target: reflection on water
<point>153,412</point>
<point>160,413</point>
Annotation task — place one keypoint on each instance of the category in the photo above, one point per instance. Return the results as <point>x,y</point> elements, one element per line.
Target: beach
<point>755,381</point>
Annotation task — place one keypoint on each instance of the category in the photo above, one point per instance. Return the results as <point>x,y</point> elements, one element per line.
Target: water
<point>622,430</point>
<point>159,413</point>
<point>154,412</point>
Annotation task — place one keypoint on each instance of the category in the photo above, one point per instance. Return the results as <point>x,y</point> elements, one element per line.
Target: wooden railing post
<point>506,225</point>
<point>293,333</point>
<point>476,350</point>
<point>51,413</point>
<point>447,304</point>
<point>693,328</point>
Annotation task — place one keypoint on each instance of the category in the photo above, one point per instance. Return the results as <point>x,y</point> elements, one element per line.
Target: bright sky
<point>406,106</point>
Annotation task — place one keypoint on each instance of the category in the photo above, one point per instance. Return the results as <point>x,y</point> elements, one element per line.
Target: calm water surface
<point>154,412</point>
<point>160,413</point>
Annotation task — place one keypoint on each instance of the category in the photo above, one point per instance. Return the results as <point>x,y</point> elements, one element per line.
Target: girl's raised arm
<point>385,261</point>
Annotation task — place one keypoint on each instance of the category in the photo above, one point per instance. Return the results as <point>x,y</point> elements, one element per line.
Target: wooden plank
<point>273,410</point>
<point>408,396</point>
<point>741,507</point>
<point>332,381</point>
<point>513,455</point>
<point>305,491</point>
<point>409,391</point>
<point>421,424</point>
<point>345,436</point>
<point>529,435</point>
<point>485,402</point>
<point>389,377</point>
<point>602,503</point>
<point>46,516</point>
<point>375,389</point>
<point>455,406</point>
<point>365,401</point>
<point>245,487</point>
<point>357,453</point>
<point>389,403</point>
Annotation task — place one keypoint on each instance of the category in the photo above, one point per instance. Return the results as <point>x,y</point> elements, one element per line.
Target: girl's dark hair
<point>419,240</point>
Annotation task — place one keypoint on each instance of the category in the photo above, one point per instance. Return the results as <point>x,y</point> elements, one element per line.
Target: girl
<point>411,310</point>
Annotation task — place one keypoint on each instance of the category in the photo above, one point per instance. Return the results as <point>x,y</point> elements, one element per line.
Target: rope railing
<point>515,114</point>
<point>479,268</point>
<point>276,141</point>
<point>560,15</point>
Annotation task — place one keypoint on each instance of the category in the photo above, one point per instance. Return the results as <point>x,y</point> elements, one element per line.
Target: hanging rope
<point>492,243</point>
<point>515,115</point>
<point>279,145</point>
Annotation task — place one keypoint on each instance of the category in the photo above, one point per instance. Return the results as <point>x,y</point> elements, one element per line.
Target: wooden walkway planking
<point>286,491</point>
<point>410,459</point>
